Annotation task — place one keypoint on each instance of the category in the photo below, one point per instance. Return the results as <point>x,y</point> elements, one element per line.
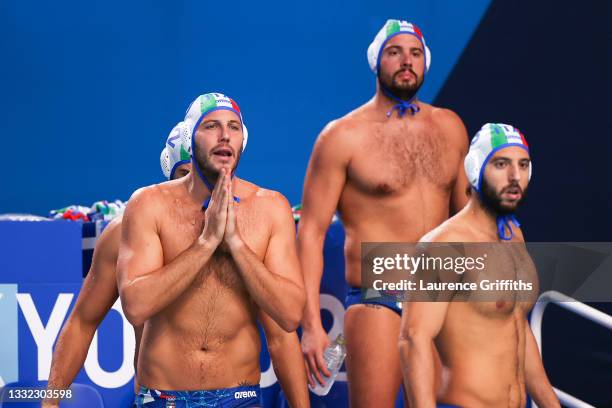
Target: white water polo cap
<point>489,139</point>
<point>199,108</point>
<point>210,102</point>
<point>177,150</point>
<point>388,31</point>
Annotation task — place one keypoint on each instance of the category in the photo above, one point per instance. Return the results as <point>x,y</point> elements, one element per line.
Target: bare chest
<point>509,283</point>
<point>394,156</point>
<point>181,228</point>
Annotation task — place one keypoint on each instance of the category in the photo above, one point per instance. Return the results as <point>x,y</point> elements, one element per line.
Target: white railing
<point>568,303</point>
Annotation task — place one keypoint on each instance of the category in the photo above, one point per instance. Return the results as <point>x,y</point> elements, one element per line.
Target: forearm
<point>538,385</point>
<point>418,369</point>
<point>542,393</point>
<point>286,357</point>
<point>310,251</point>
<point>276,295</point>
<point>69,354</point>
<point>146,295</point>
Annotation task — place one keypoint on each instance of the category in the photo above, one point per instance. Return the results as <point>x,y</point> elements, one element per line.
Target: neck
<point>385,101</point>
<point>484,218</point>
<point>199,192</point>
<point>196,187</point>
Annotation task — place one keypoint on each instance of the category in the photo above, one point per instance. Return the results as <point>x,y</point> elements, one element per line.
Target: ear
<point>530,170</point>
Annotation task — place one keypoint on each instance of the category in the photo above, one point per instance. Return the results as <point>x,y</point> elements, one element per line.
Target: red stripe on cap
<point>417,30</point>
<point>235,105</point>
<point>523,139</point>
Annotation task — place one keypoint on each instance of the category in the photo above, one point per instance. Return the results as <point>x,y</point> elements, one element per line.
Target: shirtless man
<point>99,291</point>
<point>197,266</point>
<point>283,347</point>
<point>393,168</point>
<point>487,348</point>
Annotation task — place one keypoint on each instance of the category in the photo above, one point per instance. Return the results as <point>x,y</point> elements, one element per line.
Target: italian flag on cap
<point>211,101</point>
<point>505,134</point>
<point>395,26</point>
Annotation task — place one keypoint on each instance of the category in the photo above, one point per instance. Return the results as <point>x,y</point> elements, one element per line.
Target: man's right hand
<point>216,213</point>
<point>314,343</point>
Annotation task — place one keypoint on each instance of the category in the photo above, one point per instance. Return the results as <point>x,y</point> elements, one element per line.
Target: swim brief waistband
<point>237,397</point>
<point>355,297</point>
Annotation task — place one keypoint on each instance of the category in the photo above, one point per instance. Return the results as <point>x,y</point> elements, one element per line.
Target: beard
<point>402,90</point>
<point>203,162</point>
<point>493,201</point>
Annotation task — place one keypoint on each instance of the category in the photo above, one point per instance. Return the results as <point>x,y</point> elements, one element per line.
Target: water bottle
<point>334,357</point>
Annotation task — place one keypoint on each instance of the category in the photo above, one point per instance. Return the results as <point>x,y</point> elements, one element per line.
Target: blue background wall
<point>90,90</point>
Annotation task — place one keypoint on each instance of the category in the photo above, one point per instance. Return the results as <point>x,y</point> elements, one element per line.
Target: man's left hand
<point>231,238</point>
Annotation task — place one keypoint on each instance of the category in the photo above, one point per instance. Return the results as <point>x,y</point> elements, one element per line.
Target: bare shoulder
<point>107,244</point>
<point>451,125</point>
<point>273,201</point>
<point>153,197</point>
<point>112,231</point>
<point>345,130</point>
<point>142,198</point>
<point>339,138</point>
<point>265,201</point>
<point>451,230</point>
<point>445,116</point>
<point>147,206</point>
<point>333,135</point>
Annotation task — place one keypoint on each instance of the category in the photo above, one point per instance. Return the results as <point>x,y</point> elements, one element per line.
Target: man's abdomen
<point>402,219</point>
<point>483,359</point>
<point>179,363</point>
<point>206,340</point>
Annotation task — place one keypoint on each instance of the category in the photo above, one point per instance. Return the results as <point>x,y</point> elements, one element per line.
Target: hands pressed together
<point>220,227</point>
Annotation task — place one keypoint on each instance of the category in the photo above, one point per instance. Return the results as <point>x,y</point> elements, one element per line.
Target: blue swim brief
<point>238,397</point>
<point>354,297</point>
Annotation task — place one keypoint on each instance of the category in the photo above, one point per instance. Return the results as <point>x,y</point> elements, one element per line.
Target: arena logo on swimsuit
<point>245,394</point>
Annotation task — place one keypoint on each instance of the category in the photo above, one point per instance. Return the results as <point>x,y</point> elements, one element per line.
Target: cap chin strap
<point>402,105</point>
<point>503,224</point>
<point>209,185</point>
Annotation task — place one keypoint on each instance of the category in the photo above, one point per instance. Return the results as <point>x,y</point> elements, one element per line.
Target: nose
<point>514,173</point>
<point>406,60</point>
<point>224,136</point>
